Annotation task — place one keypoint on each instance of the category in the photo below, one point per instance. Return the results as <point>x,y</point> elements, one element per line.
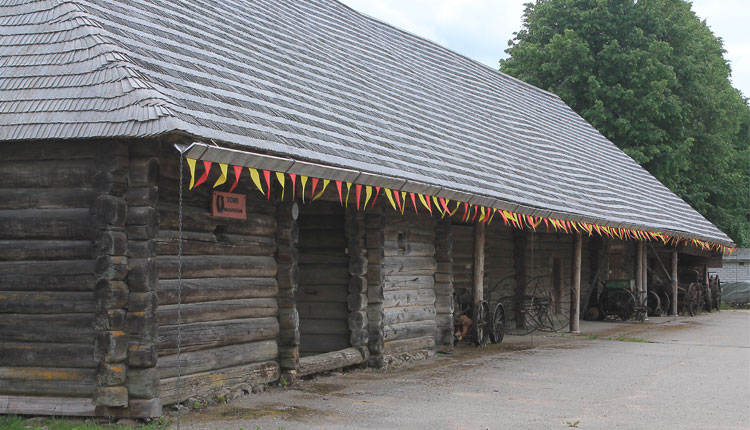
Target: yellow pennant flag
<point>223,177</point>
<point>438,206</point>
<point>494,211</point>
<point>368,194</point>
<point>348,189</point>
<point>481,213</point>
<point>191,166</point>
<point>403,201</point>
<point>280,177</point>
<point>390,198</point>
<point>424,202</point>
<point>320,193</point>
<point>303,181</point>
<point>255,176</point>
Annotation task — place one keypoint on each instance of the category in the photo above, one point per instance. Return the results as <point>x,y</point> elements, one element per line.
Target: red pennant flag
<point>341,198</point>
<point>204,176</point>
<point>546,223</point>
<point>294,185</point>
<point>505,218</point>
<point>414,202</point>
<point>359,193</point>
<point>444,204</point>
<point>314,185</point>
<point>267,177</point>
<point>396,194</point>
<point>377,193</point>
<point>237,173</point>
<point>476,212</point>
<point>466,212</point>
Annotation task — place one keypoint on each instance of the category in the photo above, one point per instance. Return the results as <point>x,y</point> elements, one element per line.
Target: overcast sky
<point>480,29</point>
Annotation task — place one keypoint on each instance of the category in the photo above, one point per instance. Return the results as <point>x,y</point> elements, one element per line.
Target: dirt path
<point>687,373</point>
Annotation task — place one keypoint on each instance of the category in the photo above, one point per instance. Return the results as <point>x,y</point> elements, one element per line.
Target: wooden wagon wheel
<point>654,304</point>
<point>498,324</point>
<point>480,329</point>
<point>692,299</point>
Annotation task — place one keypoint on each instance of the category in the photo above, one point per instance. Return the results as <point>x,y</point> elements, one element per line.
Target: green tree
<point>651,77</point>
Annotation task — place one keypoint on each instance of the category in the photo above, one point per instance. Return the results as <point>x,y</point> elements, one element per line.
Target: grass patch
<point>630,339</point>
<point>592,337</point>
<point>13,422</point>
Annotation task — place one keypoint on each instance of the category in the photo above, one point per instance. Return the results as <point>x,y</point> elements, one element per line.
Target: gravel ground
<point>668,373</point>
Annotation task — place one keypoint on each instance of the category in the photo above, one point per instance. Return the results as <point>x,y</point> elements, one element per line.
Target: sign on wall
<point>228,205</point>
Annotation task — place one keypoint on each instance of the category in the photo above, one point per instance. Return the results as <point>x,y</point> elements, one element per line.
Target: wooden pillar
<point>519,266</point>
<point>675,282</point>
<point>478,288</point>
<point>643,293</point>
<point>375,241</point>
<point>639,269</point>
<point>575,299</point>
<point>287,259</point>
<point>358,265</point>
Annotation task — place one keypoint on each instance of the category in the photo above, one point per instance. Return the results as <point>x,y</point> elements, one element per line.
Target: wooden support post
<point>643,293</point>
<point>478,288</point>
<point>287,256</point>
<point>639,270</point>
<point>519,265</point>
<point>575,299</point>
<point>675,283</point>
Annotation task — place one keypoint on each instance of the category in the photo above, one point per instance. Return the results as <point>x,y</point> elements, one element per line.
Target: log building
<point>127,283</point>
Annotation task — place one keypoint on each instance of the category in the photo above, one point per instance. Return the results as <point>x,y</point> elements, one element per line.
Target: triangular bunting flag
<point>414,202</point>
<point>282,179</point>
<point>206,171</point>
<point>303,183</point>
<point>358,194</point>
<point>293,177</point>
<point>237,173</point>
<point>223,176</point>
<point>368,194</point>
<point>389,194</point>
<point>191,166</point>
<point>255,176</point>
<point>377,193</point>
<point>338,187</point>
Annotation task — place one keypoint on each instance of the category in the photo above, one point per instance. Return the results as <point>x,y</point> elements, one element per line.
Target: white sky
<point>480,29</point>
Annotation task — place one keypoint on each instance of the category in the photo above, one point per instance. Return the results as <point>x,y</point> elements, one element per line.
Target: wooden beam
<point>643,293</point>
<point>675,283</point>
<point>478,286</point>
<point>575,300</point>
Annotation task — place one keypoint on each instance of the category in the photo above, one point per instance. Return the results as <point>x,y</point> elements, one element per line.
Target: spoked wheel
<point>654,305</point>
<point>665,303</point>
<point>481,328</point>
<point>692,299</point>
<point>498,324</point>
<point>627,304</point>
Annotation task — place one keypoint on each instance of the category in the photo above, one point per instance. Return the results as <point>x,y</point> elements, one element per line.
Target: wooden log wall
<point>463,257</point>
<point>49,243</point>
<point>499,271</point>
<point>374,240</point>
<point>229,313</point>
<point>444,306</point>
<point>409,313</point>
<point>323,293</point>
<point>358,263</point>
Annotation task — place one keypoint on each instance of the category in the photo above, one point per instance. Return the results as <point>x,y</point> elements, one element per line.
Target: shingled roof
<point>317,81</point>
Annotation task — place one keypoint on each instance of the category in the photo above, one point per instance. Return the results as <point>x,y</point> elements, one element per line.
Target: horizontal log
<point>205,383</point>
<point>410,266</point>
<point>33,282</point>
<point>69,328</point>
<point>46,224</point>
<point>195,243</point>
<point>322,293</point>
<point>45,381</point>
<point>411,236</point>
<point>52,150</point>
<point>42,302</point>
<point>218,358</point>
<point>319,343</point>
<point>211,334</point>
<point>209,289</point>
<point>59,406</point>
<point>45,354</point>
<point>200,220</point>
<point>409,345</point>
<point>408,298</point>
<point>408,314</point>
<point>46,198</point>
<point>52,174</point>
<point>311,310</point>
<point>329,361</point>
<point>323,275</point>
<point>217,310</point>
<point>17,250</point>
<point>409,330</point>
<point>409,249</point>
<point>395,283</point>
<point>316,222</point>
<point>42,268</point>
<point>212,266</point>
<point>321,326</point>
<point>142,196</point>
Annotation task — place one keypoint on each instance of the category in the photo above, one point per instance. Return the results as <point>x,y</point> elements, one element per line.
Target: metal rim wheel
<point>654,304</point>
<point>691,297</point>
<point>717,296</point>
<point>481,324</point>
<point>498,324</point>
<point>708,299</point>
<point>627,307</point>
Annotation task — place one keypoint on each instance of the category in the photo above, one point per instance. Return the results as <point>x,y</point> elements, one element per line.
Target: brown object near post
<point>575,300</point>
<point>478,287</point>
<point>228,205</point>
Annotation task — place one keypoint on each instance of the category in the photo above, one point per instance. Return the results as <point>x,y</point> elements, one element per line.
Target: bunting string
<point>261,180</point>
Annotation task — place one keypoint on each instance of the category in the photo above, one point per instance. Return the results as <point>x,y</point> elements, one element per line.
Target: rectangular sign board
<point>228,205</point>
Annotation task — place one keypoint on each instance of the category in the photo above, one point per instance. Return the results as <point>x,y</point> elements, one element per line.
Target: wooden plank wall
<point>409,313</point>
<point>323,293</point>
<point>47,271</point>
<point>229,294</point>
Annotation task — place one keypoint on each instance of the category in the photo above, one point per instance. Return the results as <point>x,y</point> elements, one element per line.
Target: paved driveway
<point>692,373</point>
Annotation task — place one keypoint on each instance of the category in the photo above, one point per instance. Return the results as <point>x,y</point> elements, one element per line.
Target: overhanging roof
<point>315,81</point>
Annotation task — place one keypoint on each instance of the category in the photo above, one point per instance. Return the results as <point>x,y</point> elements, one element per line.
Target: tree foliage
<point>651,77</point>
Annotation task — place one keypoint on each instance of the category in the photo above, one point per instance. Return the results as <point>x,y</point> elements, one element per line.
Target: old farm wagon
<point>196,199</point>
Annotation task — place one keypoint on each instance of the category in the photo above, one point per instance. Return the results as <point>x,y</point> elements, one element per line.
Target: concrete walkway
<point>667,373</point>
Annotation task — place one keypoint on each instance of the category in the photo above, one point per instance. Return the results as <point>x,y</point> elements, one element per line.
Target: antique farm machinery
<point>480,324</point>
<point>618,299</point>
